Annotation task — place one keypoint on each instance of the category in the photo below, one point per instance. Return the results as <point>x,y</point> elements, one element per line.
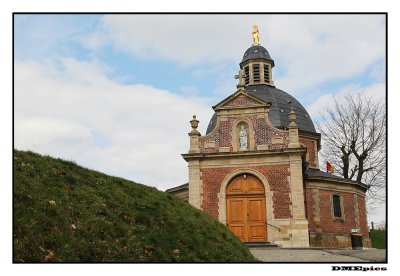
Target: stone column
<point>194,165</point>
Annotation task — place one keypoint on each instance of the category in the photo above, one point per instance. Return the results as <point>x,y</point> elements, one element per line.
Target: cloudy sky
<point>115,93</point>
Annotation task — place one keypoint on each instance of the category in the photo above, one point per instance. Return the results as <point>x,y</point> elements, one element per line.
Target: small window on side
<point>337,206</point>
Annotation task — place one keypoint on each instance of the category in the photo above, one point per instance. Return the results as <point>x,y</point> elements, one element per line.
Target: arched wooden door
<point>245,208</point>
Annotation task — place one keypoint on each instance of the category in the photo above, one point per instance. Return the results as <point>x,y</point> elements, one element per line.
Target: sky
<point>115,93</point>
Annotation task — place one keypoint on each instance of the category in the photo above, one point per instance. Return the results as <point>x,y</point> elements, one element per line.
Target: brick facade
<point>277,176</point>
<point>311,152</point>
<point>211,184</point>
<point>222,135</point>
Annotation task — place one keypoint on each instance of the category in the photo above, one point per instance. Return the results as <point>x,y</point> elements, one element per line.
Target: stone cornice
<point>311,135</point>
<point>243,154</point>
<point>334,180</point>
<point>258,102</point>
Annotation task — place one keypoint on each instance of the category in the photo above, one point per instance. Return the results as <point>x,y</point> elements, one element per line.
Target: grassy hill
<point>66,213</point>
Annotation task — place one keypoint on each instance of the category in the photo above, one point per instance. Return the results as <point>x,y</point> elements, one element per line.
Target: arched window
<point>337,206</point>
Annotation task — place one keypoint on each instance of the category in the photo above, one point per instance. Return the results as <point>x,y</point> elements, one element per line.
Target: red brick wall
<point>310,210</point>
<point>277,177</point>
<point>310,144</point>
<point>212,180</point>
<point>328,224</point>
<point>222,136</point>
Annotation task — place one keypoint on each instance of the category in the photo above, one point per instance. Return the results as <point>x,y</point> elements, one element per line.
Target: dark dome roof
<point>256,52</point>
<point>281,104</point>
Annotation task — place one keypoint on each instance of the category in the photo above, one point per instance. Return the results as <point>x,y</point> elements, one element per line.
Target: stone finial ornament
<point>292,118</point>
<point>194,123</point>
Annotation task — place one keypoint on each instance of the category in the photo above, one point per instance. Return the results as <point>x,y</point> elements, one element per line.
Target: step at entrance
<point>259,244</point>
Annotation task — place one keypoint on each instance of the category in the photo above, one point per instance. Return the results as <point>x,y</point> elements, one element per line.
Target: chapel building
<point>256,169</point>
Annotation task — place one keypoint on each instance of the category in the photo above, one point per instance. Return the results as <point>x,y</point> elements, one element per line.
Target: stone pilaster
<point>298,228</point>
<point>194,183</point>
<point>296,187</point>
<point>356,212</point>
<point>317,212</point>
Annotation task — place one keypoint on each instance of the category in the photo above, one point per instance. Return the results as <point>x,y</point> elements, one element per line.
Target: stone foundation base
<point>333,240</point>
<point>293,233</point>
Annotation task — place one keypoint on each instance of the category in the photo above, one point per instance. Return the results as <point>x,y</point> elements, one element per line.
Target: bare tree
<point>354,141</point>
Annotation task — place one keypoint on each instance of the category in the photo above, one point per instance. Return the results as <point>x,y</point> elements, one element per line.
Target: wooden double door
<point>245,208</point>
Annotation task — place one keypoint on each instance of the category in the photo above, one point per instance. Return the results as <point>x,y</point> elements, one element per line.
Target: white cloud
<point>376,92</point>
<point>318,48</point>
<point>308,49</point>
<point>59,106</point>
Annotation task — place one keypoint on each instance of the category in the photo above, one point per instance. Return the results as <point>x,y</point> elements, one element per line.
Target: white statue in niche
<point>243,138</point>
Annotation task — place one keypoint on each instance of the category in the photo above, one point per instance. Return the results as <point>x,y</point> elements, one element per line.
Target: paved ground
<point>318,255</point>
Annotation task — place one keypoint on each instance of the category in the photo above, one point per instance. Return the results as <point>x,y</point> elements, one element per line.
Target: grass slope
<point>66,213</point>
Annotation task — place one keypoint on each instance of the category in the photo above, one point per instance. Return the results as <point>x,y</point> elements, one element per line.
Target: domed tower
<point>256,71</point>
<point>256,168</point>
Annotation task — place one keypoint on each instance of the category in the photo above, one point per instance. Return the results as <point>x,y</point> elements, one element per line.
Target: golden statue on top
<point>256,36</point>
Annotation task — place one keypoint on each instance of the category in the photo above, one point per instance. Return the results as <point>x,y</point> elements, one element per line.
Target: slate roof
<point>256,52</point>
<point>319,173</point>
<point>316,174</point>
<point>177,188</point>
<point>281,104</point>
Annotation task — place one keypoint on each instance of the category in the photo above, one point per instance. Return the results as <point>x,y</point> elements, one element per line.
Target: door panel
<point>238,186</point>
<point>237,217</point>
<point>256,222</point>
<point>254,186</point>
<point>255,209</point>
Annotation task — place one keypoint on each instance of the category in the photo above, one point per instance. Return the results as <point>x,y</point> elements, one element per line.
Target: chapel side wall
<point>327,231</point>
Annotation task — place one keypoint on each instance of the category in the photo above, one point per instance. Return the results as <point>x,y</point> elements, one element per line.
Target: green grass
<point>66,213</point>
<point>378,238</point>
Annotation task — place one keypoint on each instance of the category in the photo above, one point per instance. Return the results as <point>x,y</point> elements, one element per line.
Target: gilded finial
<point>256,36</point>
